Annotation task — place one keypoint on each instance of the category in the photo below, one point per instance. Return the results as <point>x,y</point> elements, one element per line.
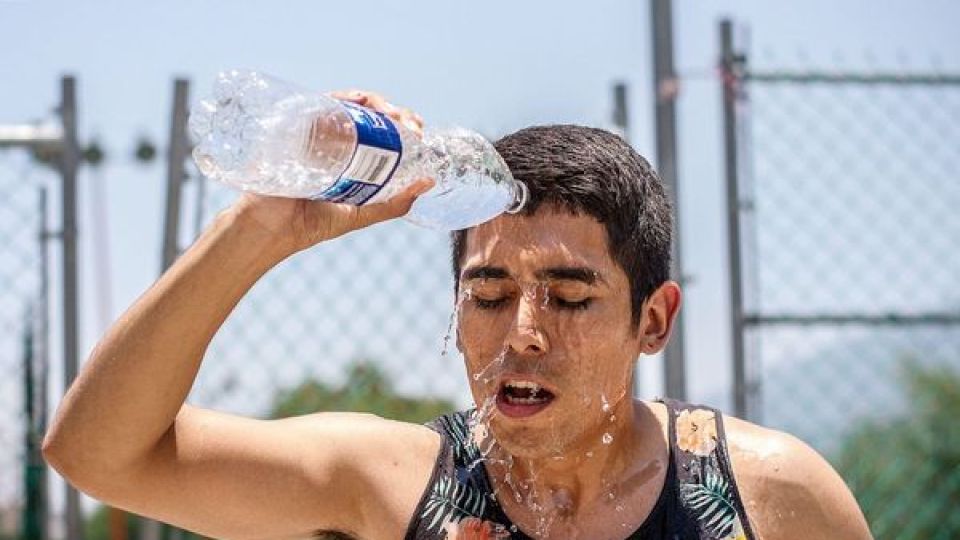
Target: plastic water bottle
<point>263,135</point>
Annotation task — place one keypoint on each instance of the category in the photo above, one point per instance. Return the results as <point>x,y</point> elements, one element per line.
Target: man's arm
<point>123,434</point>
<point>788,489</point>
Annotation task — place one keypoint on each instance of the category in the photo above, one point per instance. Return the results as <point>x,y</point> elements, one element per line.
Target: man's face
<point>545,329</point>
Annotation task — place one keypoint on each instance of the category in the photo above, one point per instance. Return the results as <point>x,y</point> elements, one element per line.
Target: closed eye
<point>560,303</point>
<point>489,304</point>
<point>578,305</point>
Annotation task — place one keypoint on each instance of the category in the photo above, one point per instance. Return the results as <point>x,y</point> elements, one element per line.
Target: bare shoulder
<point>789,490</point>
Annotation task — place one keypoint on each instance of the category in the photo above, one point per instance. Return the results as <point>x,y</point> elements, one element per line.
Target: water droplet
<point>604,405</point>
<point>590,454</point>
<point>619,508</point>
<point>613,417</point>
<point>476,376</point>
<point>610,496</point>
<point>607,438</point>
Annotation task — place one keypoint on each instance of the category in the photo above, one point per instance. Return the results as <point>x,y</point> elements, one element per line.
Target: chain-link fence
<point>361,323</point>
<point>850,226</point>
<point>22,366</point>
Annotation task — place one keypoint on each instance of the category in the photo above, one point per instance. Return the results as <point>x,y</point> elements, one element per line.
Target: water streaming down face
<point>545,309</point>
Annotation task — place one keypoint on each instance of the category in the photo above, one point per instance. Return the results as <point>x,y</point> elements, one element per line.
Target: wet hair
<point>594,172</point>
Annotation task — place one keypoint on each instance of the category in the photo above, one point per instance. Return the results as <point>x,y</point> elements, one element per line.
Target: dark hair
<point>591,171</point>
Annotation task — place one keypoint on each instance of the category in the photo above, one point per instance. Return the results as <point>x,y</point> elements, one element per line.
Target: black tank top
<point>699,499</point>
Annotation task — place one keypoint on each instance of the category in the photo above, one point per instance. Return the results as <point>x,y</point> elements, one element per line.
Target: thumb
<point>396,206</point>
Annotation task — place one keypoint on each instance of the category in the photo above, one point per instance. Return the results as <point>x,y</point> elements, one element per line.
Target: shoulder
<point>374,446</point>
<point>393,461</point>
<point>788,489</point>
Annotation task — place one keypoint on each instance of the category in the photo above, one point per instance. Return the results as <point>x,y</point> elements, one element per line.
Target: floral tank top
<point>699,499</point>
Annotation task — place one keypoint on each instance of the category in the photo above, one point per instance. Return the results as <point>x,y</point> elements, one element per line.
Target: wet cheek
<point>481,344</point>
<point>598,364</point>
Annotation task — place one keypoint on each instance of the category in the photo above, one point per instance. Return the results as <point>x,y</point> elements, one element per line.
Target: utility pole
<point>665,91</point>
<point>730,64</point>
<point>69,163</point>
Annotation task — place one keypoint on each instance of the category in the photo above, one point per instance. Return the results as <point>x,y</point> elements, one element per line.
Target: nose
<point>526,334</point>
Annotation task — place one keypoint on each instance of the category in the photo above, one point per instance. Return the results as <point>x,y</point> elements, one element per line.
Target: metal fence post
<point>665,93</point>
<point>177,154</point>
<point>178,148</point>
<point>729,80</point>
<point>43,352</point>
<point>69,163</point>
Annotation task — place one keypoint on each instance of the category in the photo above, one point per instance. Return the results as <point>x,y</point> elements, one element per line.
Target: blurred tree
<point>365,390</point>
<point>905,472</point>
<point>97,527</point>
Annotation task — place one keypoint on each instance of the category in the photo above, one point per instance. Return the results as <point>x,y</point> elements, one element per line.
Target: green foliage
<point>97,526</point>
<point>367,389</point>
<point>905,472</point>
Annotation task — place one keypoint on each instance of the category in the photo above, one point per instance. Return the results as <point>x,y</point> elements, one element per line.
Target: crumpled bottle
<point>260,134</point>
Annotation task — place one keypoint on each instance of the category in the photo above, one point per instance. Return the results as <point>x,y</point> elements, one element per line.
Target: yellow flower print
<point>697,432</point>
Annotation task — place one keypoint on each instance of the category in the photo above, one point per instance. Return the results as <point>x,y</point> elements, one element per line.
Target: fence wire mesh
<point>358,323</point>
<point>20,267</point>
<point>852,259</point>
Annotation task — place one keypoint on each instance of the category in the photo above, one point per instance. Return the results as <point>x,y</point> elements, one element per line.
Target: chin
<point>533,440</point>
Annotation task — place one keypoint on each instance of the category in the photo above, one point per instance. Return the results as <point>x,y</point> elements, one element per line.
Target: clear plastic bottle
<point>260,134</point>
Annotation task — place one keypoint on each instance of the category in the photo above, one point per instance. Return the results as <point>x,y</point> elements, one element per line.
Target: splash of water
<point>458,305</point>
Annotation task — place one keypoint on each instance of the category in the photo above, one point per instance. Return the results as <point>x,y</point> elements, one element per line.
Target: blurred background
<point>813,149</point>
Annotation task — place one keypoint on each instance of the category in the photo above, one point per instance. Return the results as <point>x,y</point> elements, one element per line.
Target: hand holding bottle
<point>301,223</point>
<point>266,136</point>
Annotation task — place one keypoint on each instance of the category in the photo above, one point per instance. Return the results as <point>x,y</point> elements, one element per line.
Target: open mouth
<point>519,398</point>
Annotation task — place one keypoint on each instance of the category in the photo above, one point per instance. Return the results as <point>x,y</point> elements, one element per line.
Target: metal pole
<point>621,112</point>
<point>69,163</point>
<point>665,88</point>
<point>621,122</point>
<point>728,68</point>
<point>176,172</point>
<point>43,352</point>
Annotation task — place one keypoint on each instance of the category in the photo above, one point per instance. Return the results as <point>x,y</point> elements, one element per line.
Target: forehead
<point>548,237</point>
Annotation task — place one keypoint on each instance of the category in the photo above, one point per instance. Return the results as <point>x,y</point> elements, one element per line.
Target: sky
<point>495,66</point>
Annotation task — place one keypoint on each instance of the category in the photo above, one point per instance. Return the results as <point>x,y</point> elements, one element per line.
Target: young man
<point>556,305</point>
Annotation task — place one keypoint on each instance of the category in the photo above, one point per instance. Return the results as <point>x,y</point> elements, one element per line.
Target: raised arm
<point>123,434</point>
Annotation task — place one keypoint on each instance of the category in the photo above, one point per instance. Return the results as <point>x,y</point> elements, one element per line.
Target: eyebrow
<point>582,274</point>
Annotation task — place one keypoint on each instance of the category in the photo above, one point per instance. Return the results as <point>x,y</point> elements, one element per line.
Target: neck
<point>605,465</point>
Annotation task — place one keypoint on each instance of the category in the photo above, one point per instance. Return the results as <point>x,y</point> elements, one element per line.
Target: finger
<point>417,119</point>
<point>396,206</point>
<point>378,102</point>
<point>401,115</point>
<point>359,97</point>
<point>372,100</point>
<point>410,121</point>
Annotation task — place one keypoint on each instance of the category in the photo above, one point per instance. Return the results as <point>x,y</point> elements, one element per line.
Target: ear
<point>659,313</point>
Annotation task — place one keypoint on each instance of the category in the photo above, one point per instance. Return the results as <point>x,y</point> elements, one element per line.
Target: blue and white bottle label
<point>374,160</point>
